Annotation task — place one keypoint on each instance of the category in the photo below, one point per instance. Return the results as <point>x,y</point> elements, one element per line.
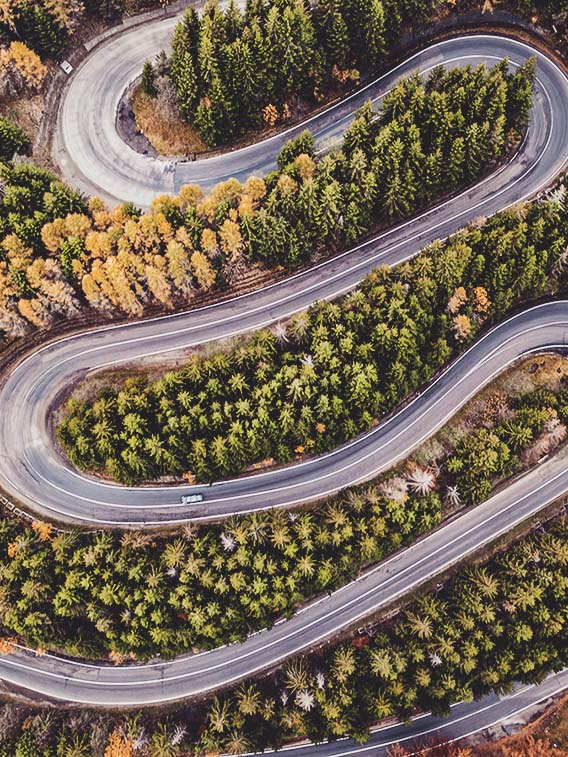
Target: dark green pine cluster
<point>12,139</point>
<point>233,70</point>
<point>228,66</point>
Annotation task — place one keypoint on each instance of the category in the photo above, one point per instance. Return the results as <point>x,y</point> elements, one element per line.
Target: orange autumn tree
<point>43,530</point>
<point>8,11</point>
<point>28,64</point>
<point>67,13</point>
<point>6,645</point>
<point>119,745</point>
<point>20,69</point>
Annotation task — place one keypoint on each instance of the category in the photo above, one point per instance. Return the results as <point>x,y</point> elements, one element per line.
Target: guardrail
<point>23,515</point>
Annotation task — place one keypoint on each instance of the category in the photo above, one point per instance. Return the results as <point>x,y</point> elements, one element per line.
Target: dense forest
<point>330,372</point>
<point>140,595</point>
<point>235,70</point>
<point>331,37</point>
<point>59,252</point>
<point>45,26</point>
<point>491,625</point>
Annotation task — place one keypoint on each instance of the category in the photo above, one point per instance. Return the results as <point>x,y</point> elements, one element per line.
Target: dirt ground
<point>26,113</point>
<point>170,136</point>
<point>165,131</point>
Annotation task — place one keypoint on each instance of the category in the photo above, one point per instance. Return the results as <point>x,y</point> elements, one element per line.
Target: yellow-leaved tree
<point>119,746</point>
<point>28,64</point>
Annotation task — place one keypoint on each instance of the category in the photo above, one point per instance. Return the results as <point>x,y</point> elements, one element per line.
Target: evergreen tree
<point>148,79</point>
<point>303,144</point>
<point>360,134</point>
<point>214,117</point>
<point>107,9</point>
<point>394,19</point>
<point>208,58</point>
<point>332,33</point>
<point>256,11</point>
<point>185,40</point>
<point>262,58</point>
<point>291,39</point>
<point>242,84</point>
<point>71,249</point>
<point>366,25</point>
<point>187,88</point>
<point>213,24</point>
<point>473,151</point>
<point>40,30</point>
<point>455,165</point>
<point>12,139</point>
<point>375,35</point>
<point>234,21</point>
<point>520,94</point>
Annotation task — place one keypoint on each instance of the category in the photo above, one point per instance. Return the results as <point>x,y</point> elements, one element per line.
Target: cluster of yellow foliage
<point>119,658</point>
<point>270,114</point>
<point>126,261</point>
<point>462,327</point>
<point>119,745</point>
<point>20,69</point>
<point>6,645</point>
<point>481,301</point>
<point>457,300</point>
<point>66,13</point>
<point>342,75</point>
<point>480,305</point>
<point>43,530</point>
<point>13,549</point>
<point>309,444</point>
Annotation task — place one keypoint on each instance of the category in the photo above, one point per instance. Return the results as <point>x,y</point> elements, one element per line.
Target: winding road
<point>33,473</point>
<point>93,156</point>
<point>196,674</point>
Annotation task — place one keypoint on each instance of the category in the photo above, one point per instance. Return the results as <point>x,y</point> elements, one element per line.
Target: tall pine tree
<point>187,87</point>
<point>332,34</point>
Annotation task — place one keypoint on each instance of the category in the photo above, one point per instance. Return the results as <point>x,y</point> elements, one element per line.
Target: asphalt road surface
<point>94,158</point>
<point>195,674</point>
<point>34,473</point>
